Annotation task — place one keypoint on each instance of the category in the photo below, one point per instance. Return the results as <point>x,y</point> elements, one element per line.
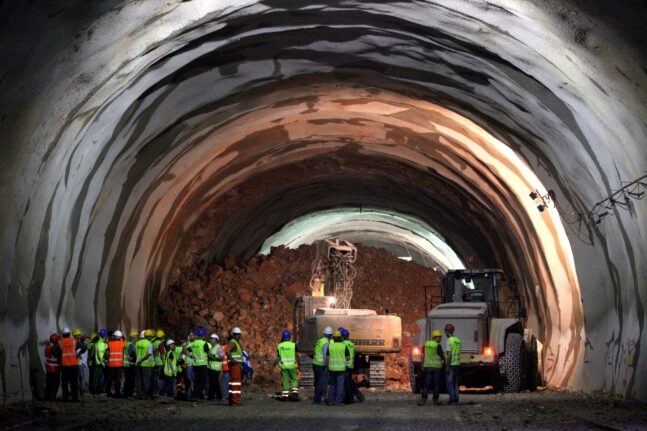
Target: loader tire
<point>513,363</point>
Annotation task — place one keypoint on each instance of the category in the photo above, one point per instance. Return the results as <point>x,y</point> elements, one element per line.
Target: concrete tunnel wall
<point>124,125</point>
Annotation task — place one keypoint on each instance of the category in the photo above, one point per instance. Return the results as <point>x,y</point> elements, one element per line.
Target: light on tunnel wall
<point>543,200</point>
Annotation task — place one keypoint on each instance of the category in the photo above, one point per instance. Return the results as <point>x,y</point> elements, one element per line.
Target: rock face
<point>257,297</point>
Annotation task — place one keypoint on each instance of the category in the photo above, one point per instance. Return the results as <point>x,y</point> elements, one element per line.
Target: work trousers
<point>70,381</point>
<point>144,382</point>
<point>335,387</point>
<point>350,387</point>
<point>321,380</point>
<point>156,378</point>
<point>235,385</point>
<point>83,378</point>
<point>214,386</point>
<point>200,379</point>
<point>432,377</point>
<point>189,375</point>
<point>290,380</point>
<point>98,377</point>
<point>129,381</point>
<point>114,376</point>
<point>225,383</point>
<point>52,383</point>
<point>452,383</point>
<point>167,386</point>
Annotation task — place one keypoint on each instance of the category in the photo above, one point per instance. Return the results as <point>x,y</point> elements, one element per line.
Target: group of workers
<point>146,365</point>
<point>435,360</point>
<point>333,363</point>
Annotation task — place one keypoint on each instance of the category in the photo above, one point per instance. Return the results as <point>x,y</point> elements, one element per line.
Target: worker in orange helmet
<point>52,367</point>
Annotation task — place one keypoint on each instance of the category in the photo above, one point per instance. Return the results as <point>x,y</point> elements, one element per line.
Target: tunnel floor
<point>546,409</point>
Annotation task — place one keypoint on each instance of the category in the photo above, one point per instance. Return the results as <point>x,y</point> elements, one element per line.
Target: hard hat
<point>160,333</point>
<point>93,335</point>
<point>53,338</point>
<point>236,330</point>
<point>117,334</point>
<point>437,333</point>
<point>214,336</point>
<point>103,332</point>
<point>201,332</point>
<point>133,333</point>
<point>344,333</point>
<point>149,333</point>
<point>66,330</point>
<point>328,330</point>
<point>142,334</point>
<point>169,342</point>
<point>449,327</point>
<point>336,334</point>
<point>286,335</point>
<point>76,332</point>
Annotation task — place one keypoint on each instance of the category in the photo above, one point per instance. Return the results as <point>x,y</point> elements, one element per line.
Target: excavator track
<point>377,372</point>
<point>306,373</point>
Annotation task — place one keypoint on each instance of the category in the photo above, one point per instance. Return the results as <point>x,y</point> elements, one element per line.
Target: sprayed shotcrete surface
<point>127,127</point>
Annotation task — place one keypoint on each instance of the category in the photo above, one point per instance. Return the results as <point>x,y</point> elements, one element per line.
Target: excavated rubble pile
<point>257,297</point>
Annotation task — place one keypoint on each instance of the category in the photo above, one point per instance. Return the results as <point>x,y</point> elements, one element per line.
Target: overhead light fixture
<point>543,200</point>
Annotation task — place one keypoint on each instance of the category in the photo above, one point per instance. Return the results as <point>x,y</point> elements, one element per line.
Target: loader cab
<point>489,286</point>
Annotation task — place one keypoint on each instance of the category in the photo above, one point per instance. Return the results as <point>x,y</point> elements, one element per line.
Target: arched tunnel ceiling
<point>220,125</point>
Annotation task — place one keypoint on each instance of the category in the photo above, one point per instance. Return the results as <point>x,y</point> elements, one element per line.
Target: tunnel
<point>139,138</point>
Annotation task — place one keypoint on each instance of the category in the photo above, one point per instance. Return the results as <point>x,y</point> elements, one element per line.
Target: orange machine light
<point>488,351</point>
<point>416,350</point>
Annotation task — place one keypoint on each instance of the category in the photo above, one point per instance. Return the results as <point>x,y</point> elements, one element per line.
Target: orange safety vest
<point>225,364</point>
<point>69,352</point>
<point>51,363</point>
<point>116,358</point>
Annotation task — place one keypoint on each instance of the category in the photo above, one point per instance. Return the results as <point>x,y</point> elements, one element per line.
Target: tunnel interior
<point>189,133</point>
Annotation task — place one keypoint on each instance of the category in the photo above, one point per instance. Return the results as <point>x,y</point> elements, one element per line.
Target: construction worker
<point>130,358</point>
<point>69,366</point>
<point>287,360</point>
<point>453,353</point>
<point>180,360</point>
<point>215,367</point>
<point>189,375</point>
<point>169,369</point>
<point>225,366</point>
<point>235,356</point>
<point>90,347</point>
<point>351,391</point>
<point>433,362</point>
<point>319,365</point>
<point>115,364</point>
<point>83,360</point>
<point>145,363</point>
<point>158,354</point>
<point>338,356</point>
<point>99,359</point>
<point>52,367</point>
<point>199,351</point>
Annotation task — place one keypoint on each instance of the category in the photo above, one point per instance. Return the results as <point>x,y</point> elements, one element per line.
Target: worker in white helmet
<point>214,368</point>
<point>319,365</point>
<point>235,356</point>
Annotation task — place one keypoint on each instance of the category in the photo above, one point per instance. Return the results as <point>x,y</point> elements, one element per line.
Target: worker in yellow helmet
<point>338,356</point>
<point>130,359</point>
<point>433,362</point>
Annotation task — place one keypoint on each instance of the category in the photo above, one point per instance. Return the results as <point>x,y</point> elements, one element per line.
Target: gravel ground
<point>547,409</point>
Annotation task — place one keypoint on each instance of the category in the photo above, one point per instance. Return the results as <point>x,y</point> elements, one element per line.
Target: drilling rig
<point>329,304</point>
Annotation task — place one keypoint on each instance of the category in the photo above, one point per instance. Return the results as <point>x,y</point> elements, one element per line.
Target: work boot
<point>361,399</point>
<point>422,402</point>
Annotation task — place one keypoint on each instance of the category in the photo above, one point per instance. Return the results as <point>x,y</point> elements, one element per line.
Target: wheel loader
<point>489,317</point>
<point>328,304</point>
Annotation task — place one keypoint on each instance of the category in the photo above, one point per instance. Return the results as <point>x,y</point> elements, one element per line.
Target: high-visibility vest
<point>236,355</point>
<point>200,358</point>
<point>157,353</point>
<point>141,350</point>
<point>51,362</point>
<point>350,363</point>
<point>69,352</point>
<point>318,358</point>
<point>116,357</point>
<point>215,365</point>
<point>100,348</point>
<point>287,355</point>
<point>432,358</point>
<point>455,344</point>
<point>90,358</point>
<point>127,361</point>
<point>170,363</point>
<point>337,360</point>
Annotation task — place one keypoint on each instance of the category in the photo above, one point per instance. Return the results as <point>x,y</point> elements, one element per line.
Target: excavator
<point>329,304</point>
